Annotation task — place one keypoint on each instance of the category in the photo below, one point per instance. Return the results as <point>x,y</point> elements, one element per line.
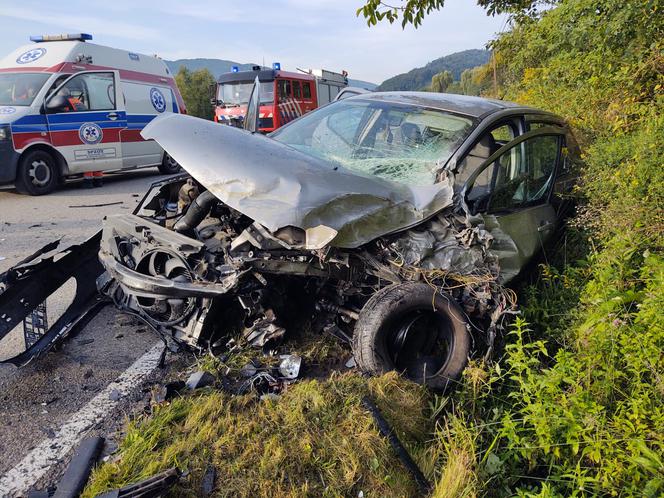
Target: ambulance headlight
<point>5,133</point>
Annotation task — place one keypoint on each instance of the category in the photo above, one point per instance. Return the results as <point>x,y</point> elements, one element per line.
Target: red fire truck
<point>284,95</point>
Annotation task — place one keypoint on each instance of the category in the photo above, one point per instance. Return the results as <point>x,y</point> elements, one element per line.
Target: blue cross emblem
<point>157,99</point>
<point>30,55</point>
<point>90,133</point>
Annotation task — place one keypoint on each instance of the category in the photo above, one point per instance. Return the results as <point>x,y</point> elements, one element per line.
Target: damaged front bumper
<point>33,292</point>
<point>145,285</point>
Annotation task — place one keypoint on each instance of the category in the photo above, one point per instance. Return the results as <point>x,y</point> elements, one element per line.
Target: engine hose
<point>197,211</point>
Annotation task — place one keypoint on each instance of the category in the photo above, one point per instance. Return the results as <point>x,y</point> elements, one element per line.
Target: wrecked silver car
<point>395,218</point>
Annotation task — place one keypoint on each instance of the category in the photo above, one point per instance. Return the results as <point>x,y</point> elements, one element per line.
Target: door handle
<point>544,225</point>
<point>112,116</point>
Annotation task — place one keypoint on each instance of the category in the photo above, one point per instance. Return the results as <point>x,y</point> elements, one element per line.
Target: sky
<point>297,33</point>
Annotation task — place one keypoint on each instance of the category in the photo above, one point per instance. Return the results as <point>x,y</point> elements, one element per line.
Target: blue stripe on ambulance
<point>73,121</point>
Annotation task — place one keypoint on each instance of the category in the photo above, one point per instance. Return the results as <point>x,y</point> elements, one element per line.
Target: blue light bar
<point>276,66</point>
<point>63,37</point>
<point>235,69</point>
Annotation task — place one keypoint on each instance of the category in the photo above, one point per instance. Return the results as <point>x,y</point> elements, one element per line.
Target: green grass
<point>315,440</point>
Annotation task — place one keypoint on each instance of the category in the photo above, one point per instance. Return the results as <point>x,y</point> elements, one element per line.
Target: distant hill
<point>418,78</point>
<point>220,66</point>
<point>215,66</point>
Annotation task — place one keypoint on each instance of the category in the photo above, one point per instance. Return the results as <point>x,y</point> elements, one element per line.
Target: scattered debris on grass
<point>423,484</point>
<point>153,486</point>
<point>200,379</point>
<point>317,439</point>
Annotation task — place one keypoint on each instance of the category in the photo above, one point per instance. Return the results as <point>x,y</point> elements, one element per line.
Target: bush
<point>575,407</point>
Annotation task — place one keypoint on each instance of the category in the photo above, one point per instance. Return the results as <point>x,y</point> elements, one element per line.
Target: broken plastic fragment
<point>320,236</point>
<point>290,366</point>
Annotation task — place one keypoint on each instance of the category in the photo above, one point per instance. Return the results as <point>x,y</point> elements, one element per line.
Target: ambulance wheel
<point>169,166</point>
<point>414,330</point>
<point>37,173</point>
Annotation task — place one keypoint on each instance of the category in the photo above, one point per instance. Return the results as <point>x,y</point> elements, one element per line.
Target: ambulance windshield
<point>20,88</point>
<point>237,93</point>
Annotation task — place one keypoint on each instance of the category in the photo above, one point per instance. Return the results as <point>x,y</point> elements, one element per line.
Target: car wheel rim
<point>420,344</point>
<point>171,163</point>
<point>39,173</point>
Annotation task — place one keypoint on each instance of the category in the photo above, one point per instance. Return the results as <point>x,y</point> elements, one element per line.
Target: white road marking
<point>21,478</point>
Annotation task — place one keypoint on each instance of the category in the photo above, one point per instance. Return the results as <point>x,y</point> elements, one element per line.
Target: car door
<point>511,194</point>
<point>85,116</point>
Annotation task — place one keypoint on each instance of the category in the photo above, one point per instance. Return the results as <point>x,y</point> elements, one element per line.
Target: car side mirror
<point>55,104</point>
<point>212,92</point>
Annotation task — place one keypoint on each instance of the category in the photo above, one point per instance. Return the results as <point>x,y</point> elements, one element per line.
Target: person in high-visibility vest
<point>23,94</point>
<point>75,104</point>
<point>93,179</point>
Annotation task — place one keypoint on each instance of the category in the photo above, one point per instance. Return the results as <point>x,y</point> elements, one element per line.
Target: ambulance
<point>70,107</point>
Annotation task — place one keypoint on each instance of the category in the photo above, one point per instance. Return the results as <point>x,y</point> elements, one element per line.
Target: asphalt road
<point>36,400</point>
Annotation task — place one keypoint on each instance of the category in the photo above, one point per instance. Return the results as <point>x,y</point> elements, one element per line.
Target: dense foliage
<point>575,408</point>
<point>441,81</point>
<point>413,12</point>
<point>195,87</point>
<point>419,78</point>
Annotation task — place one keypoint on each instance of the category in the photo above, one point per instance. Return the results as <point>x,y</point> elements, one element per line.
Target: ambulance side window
<point>89,92</point>
<point>297,90</point>
<point>306,90</point>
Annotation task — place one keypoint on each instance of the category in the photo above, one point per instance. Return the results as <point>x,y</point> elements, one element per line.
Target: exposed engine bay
<point>194,268</point>
<point>197,271</point>
<point>185,259</point>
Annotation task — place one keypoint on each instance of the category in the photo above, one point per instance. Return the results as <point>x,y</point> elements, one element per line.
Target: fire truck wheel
<point>37,173</point>
<point>169,166</point>
<point>414,330</point>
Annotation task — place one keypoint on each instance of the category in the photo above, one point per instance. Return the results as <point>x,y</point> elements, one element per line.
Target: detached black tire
<point>169,166</point>
<point>408,328</point>
<point>37,173</point>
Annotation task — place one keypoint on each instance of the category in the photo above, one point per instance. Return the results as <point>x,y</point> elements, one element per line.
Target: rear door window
<point>521,176</point>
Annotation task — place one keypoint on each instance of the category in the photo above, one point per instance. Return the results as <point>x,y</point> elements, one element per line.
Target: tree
<point>195,89</point>
<point>441,81</point>
<point>413,11</point>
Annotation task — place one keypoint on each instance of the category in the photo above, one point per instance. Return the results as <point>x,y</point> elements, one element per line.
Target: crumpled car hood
<point>278,186</point>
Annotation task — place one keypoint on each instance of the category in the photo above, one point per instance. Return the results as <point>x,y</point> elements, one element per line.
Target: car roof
<point>461,104</point>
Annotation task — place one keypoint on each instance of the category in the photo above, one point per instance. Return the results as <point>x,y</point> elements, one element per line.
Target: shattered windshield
<point>402,143</point>
<point>21,88</point>
<point>238,93</point>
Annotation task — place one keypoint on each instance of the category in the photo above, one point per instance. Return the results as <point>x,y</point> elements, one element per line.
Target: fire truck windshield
<point>237,93</point>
